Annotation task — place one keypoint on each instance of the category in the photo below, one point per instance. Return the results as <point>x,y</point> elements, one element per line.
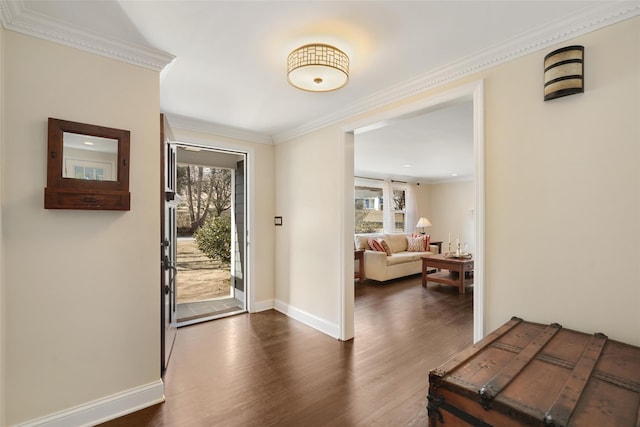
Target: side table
<point>358,255</point>
<point>438,244</point>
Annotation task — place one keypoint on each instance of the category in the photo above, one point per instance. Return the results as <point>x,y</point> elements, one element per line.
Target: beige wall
<point>308,191</point>
<point>423,204</point>
<point>562,196</point>
<point>262,199</point>
<point>81,288</point>
<point>2,280</point>
<point>452,212</point>
<point>563,191</point>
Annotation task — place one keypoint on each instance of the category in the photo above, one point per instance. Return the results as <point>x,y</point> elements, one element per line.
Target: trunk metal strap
<point>560,411</point>
<point>495,386</point>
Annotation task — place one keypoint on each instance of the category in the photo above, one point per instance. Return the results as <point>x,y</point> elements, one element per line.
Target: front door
<point>239,238</point>
<point>168,241</point>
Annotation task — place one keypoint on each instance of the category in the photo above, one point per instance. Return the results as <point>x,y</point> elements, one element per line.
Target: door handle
<point>167,264</point>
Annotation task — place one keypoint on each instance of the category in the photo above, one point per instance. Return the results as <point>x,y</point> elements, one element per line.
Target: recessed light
<point>407,166</point>
<point>454,174</point>
<point>88,143</point>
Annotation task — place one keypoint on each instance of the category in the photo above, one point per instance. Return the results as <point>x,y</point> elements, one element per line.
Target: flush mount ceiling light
<point>318,68</point>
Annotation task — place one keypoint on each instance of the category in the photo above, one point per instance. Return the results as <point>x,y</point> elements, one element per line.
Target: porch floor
<point>213,307</point>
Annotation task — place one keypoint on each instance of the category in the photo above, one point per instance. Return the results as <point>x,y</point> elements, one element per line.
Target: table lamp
<point>422,223</point>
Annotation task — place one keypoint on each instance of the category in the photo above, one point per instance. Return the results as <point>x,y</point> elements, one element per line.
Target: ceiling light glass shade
<point>318,68</point>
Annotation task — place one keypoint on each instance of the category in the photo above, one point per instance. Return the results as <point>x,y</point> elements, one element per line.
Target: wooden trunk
<point>528,374</point>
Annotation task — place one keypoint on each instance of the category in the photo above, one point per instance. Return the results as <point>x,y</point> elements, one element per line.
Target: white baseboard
<point>315,322</point>
<point>105,409</point>
<point>331,329</point>
<point>263,305</point>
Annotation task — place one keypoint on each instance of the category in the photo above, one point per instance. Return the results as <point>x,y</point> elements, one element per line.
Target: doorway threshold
<point>200,311</point>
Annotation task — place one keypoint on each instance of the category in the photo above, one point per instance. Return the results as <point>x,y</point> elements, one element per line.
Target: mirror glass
<point>89,157</point>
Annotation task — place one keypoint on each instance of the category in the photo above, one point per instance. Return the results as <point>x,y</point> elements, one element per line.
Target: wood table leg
<point>358,255</point>
<point>424,273</point>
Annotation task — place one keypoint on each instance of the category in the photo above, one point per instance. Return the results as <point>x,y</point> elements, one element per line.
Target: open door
<point>239,237</point>
<point>169,201</point>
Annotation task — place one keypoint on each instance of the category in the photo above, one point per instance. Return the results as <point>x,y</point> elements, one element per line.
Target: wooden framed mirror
<point>87,167</point>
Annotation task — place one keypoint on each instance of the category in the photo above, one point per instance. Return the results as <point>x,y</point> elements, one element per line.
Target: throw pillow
<point>386,247</point>
<point>427,240</point>
<point>375,245</point>
<point>415,244</point>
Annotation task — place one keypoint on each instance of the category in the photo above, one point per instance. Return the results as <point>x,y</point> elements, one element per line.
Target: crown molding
<point>188,123</point>
<point>591,19</point>
<point>17,17</point>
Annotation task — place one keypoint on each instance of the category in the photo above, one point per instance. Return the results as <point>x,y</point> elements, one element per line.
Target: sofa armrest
<point>434,249</point>
<point>375,263</point>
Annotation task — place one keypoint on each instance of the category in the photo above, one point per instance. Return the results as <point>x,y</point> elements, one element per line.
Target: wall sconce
<point>564,72</point>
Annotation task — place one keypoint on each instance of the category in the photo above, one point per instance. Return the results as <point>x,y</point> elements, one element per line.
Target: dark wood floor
<point>265,369</point>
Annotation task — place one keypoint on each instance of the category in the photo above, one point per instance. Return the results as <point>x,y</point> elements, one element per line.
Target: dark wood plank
<point>266,369</point>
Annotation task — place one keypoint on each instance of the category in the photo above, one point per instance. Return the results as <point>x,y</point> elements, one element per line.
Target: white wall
<point>562,196</point>
<point>81,288</point>
<point>107,161</point>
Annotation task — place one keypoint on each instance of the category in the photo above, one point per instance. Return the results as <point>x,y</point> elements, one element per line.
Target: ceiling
<point>434,146</point>
<point>223,62</point>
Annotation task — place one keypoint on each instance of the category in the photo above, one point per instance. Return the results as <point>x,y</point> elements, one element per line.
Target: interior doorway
<point>473,92</point>
<point>210,224</point>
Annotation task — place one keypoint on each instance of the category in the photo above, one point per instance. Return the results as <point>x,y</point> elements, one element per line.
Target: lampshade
<point>318,68</point>
<point>564,72</point>
<point>423,222</point>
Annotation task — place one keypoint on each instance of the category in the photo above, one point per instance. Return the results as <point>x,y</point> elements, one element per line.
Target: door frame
<point>473,91</point>
<point>248,152</point>
<point>166,325</point>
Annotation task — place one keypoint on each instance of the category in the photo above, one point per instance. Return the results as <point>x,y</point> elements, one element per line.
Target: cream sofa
<point>380,267</point>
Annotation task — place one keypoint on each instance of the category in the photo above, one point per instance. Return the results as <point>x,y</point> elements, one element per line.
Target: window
<point>85,172</point>
<point>369,207</point>
<point>368,204</point>
<point>399,205</point>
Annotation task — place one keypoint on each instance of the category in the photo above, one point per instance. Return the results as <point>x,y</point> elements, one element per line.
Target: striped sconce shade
<point>564,72</point>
